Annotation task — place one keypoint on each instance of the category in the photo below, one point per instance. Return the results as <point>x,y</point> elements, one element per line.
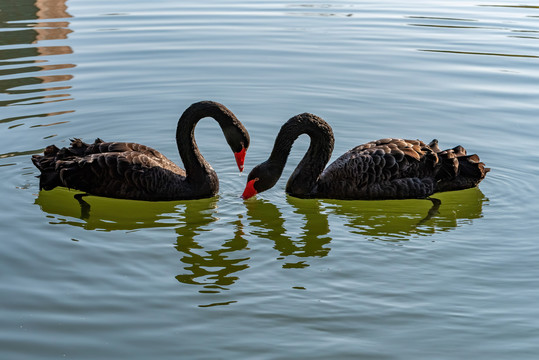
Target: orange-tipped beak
<point>250,190</point>
<point>240,158</point>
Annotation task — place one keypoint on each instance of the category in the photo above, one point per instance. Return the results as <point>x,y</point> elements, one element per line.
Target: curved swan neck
<point>196,167</point>
<point>305,176</point>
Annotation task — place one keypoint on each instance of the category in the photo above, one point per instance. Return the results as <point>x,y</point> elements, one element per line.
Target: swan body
<point>134,171</point>
<point>383,169</point>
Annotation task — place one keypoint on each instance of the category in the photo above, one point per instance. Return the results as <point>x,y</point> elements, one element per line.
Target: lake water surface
<point>273,277</point>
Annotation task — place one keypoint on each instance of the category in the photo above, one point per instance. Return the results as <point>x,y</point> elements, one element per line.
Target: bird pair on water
<point>382,169</point>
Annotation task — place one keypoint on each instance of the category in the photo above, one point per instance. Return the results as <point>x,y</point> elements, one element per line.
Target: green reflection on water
<point>269,223</point>
<point>213,248</point>
<point>106,214</point>
<point>209,267</point>
<point>397,220</point>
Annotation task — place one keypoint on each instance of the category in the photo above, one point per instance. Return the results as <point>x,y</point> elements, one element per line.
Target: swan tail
<point>56,163</point>
<point>458,170</point>
<point>49,178</point>
<point>79,148</point>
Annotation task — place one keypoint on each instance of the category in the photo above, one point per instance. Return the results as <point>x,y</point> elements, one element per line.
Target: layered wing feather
<point>398,169</point>
<point>113,169</point>
<point>382,169</point>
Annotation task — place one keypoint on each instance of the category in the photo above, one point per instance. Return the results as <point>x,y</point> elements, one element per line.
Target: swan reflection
<point>315,230</point>
<point>214,260</point>
<point>296,237</point>
<point>100,213</point>
<point>210,256</point>
<point>397,220</point>
<point>213,241</point>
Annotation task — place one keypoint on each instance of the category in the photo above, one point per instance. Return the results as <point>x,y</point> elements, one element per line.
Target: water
<point>274,277</point>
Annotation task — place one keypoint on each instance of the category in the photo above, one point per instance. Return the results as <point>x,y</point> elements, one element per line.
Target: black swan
<point>134,171</point>
<point>382,169</point>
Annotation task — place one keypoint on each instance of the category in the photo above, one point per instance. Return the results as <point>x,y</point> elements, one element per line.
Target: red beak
<point>250,190</point>
<point>240,158</point>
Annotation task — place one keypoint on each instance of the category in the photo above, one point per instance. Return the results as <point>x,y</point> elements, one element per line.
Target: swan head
<point>263,177</point>
<point>238,140</point>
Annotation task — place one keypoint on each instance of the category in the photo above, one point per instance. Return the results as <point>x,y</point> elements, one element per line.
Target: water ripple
<point>478,53</point>
<point>369,278</point>
<point>26,63</point>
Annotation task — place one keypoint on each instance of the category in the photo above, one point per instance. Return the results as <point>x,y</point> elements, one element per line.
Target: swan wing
<point>120,170</point>
<point>129,175</point>
<point>381,169</point>
<point>80,148</point>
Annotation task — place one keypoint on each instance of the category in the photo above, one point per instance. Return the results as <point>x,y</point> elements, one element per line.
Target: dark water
<point>274,277</point>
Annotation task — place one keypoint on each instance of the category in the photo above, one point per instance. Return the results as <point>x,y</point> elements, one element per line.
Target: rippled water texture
<point>274,277</point>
